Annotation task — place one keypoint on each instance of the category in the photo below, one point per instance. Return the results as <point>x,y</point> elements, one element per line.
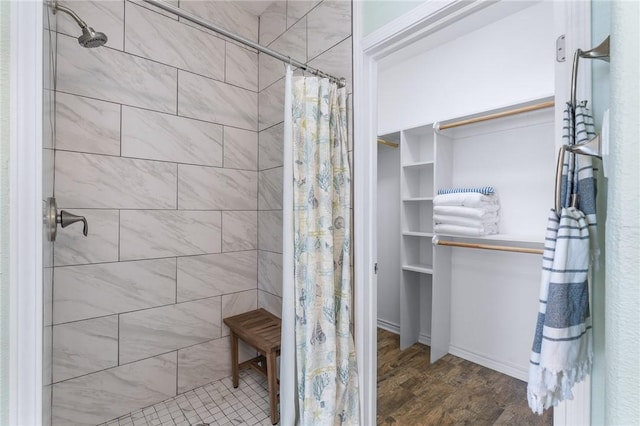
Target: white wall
<point>623,222</point>
<point>509,61</point>
<point>389,237</point>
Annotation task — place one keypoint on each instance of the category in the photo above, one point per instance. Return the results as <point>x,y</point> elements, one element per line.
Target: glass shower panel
<point>49,49</point>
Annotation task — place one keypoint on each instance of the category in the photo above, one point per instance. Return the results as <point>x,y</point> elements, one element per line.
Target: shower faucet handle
<point>65,219</point>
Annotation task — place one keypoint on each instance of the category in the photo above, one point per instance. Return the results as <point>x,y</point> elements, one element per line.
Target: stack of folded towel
<point>466,211</point>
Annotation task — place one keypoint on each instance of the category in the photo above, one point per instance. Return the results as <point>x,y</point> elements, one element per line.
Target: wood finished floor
<point>452,391</point>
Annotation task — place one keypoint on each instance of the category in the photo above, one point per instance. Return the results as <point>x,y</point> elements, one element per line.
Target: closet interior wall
<point>317,32</point>
<point>477,304</point>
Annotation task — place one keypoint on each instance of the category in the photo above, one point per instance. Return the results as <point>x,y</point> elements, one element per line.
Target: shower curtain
<point>317,299</point>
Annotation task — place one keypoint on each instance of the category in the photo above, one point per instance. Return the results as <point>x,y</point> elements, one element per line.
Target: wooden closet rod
<point>490,247</point>
<point>388,143</point>
<point>488,117</point>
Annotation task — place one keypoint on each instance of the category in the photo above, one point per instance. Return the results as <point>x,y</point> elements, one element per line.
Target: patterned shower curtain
<point>326,371</point>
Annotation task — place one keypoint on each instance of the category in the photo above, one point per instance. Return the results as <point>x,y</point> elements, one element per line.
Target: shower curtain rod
<point>175,10</point>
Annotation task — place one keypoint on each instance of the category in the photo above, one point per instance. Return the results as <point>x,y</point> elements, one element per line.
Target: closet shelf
<point>417,199</point>
<point>418,267</point>
<point>421,164</point>
<point>417,234</point>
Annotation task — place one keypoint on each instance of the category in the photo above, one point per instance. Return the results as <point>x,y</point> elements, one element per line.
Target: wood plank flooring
<point>452,391</point>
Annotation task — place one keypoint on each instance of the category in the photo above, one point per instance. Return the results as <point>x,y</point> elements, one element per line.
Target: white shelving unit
<point>516,155</point>
<point>417,185</point>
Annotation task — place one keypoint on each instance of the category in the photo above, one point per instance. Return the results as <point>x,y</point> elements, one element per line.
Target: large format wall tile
<point>146,5</point>
<point>329,23</point>
<point>239,230</point>
<point>210,100</point>
<point>241,67</point>
<point>293,43</point>
<point>115,76</point>
<point>270,189</point>
<point>102,396</point>
<point>238,303</point>
<point>153,36</point>
<point>270,302</point>
<point>90,291</point>
<point>270,272</point>
<point>204,363</point>
<point>271,105</point>
<point>271,147</point>
<point>101,245</point>
<point>270,230</point>
<point>103,16</point>
<point>296,9</point>
<point>216,274</point>
<point>158,330</point>
<point>84,347</point>
<point>216,189</point>
<point>273,22</point>
<point>87,125</point>
<point>337,61</point>
<point>147,234</point>
<point>158,136</point>
<point>231,16</point>
<point>240,149</point>
<point>100,181</point>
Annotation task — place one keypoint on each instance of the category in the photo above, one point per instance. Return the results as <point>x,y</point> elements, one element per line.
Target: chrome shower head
<point>89,38</point>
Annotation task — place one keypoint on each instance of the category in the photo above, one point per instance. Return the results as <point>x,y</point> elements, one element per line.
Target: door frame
<point>25,213</point>
<point>573,17</point>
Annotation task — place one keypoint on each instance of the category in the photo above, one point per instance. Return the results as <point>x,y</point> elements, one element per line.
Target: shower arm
<point>58,7</point>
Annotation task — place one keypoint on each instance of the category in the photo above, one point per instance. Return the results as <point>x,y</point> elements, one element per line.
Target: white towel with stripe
<point>487,211</point>
<point>469,231</point>
<point>465,221</point>
<point>466,199</point>
<point>561,355</point>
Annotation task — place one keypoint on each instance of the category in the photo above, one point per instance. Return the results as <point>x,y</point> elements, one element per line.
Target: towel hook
<point>601,52</point>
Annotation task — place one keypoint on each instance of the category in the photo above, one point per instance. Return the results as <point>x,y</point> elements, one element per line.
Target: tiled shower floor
<point>217,403</point>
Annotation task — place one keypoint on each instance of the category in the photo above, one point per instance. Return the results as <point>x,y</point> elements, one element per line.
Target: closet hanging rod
<point>521,110</point>
<point>489,247</point>
<point>388,143</point>
<point>284,58</point>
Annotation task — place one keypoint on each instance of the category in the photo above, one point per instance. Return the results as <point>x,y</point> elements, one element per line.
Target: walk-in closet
<point>471,105</point>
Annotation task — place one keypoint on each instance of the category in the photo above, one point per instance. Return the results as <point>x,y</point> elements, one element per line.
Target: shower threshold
<point>214,404</point>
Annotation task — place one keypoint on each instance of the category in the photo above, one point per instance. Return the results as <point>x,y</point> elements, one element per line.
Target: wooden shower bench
<point>260,329</point>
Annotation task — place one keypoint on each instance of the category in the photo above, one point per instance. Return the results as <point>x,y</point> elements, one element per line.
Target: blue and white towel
<point>561,355</point>
<point>486,190</point>
<point>562,352</point>
<point>577,170</point>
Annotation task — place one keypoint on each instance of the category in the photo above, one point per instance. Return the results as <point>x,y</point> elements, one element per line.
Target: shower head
<point>89,38</point>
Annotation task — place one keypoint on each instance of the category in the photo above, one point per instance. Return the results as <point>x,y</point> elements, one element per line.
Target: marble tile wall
<point>313,31</point>
<point>157,145</point>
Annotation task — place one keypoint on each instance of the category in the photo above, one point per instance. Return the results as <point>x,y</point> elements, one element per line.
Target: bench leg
<point>272,379</point>
<point>234,359</point>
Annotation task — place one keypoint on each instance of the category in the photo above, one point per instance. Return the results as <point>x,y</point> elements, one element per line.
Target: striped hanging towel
<point>562,349</point>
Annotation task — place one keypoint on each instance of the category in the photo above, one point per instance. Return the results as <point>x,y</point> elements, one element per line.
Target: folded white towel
<point>471,231</point>
<point>488,211</point>
<point>465,221</point>
<point>467,199</point>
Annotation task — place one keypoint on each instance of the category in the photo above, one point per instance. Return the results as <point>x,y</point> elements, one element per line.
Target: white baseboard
<point>499,366</point>
<point>423,338</point>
